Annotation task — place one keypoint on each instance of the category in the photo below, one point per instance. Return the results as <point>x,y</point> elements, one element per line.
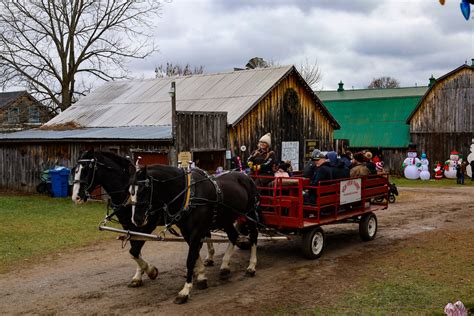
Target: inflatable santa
<point>424,174</point>
<point>451,165</point>
<point>438,171</point>
<point>411,164</point>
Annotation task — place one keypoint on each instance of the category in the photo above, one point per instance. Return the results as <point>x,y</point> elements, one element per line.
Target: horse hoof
<point>181,299</point>
<point>153,274</point>
<point>225,274</point>
<point>250,273</point>
<point>208,263</point>
<point>135,283</point>
<point>201,285</point>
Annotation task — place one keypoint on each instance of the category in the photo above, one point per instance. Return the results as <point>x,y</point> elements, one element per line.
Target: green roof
<point>373,117</point>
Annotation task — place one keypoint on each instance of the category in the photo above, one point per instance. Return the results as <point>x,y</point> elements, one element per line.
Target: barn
<point>215,117</point>
<point>374,119</point>
<point>443,119</point>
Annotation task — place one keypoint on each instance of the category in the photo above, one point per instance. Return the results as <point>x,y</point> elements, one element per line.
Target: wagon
<point>293,207</point>
<point>286,215</point>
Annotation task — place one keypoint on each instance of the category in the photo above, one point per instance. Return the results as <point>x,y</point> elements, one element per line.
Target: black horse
<point>113,173</point>
<point>197,203</point>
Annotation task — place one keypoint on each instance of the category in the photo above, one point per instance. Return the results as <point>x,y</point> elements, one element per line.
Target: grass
<point>403,182</point>
<point>35,226</point>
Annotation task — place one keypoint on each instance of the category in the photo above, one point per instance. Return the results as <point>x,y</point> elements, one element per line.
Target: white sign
<point>291,151</point>
<point>228,154</point>
<point>350,191</point>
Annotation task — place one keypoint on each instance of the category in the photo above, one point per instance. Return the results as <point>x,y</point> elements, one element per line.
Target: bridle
<point>92,165</point>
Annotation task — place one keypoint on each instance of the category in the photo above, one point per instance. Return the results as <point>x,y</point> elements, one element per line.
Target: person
<point>472,169</point>
<point>358,167</point>
<point>338,168</point>
<point>262,160</point>
<point>369,164</point>
<point>310,167</point>
<point>461,172</point>
<point>323,170</point>
<point>282,170</point>
<point>346,158</point>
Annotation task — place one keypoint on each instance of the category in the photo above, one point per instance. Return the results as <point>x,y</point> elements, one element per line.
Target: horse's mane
<point>123,162</point>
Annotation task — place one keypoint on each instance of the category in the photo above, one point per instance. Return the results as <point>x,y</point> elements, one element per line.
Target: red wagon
<point>285,211</point>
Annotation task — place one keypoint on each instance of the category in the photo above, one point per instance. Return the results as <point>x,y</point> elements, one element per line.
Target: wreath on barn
<point>291,102</point>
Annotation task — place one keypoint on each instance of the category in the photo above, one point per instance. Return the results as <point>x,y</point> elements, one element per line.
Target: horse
<point>197,203</point>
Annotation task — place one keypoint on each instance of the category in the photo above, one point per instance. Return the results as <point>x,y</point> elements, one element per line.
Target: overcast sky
<point>353,41</point>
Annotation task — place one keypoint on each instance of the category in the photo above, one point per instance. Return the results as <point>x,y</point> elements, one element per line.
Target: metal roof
<point>147,102</point>
<point>97,134</point>
<point>371,93</point>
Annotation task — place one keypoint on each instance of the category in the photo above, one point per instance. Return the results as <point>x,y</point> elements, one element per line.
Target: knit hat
<point>332,156</point>
<point>266,139</point>
<point>379,166</point>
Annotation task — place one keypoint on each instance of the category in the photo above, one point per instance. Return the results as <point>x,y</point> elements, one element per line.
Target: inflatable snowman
<point>438,171</point>
<point>451,165</point>
<point>424,174</point>
<point>470,158</point>
<point>411,165</point>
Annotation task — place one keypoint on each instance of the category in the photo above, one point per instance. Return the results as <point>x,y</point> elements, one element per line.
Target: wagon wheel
<point>368,226</point>
<point>392,198</point>
<point>312,243</point>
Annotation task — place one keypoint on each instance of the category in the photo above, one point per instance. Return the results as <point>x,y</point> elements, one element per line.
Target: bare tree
<point>174,70</point>
<point>54,47</point>
<point>384,82</point>
<point>311,73</point>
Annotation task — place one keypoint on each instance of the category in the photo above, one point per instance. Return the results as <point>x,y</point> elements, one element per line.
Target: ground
<point>93,279</point>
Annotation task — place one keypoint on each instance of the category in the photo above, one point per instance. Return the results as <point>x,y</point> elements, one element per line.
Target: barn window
<point>14,115</point>
<point>291,102</point>
<point>33,114</point>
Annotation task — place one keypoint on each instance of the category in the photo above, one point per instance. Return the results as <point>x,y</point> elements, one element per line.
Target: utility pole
<point>173,152</point>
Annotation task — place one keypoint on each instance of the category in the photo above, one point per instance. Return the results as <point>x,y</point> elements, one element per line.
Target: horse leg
<point>232,234</point>
<point>142,265</point>
<point>199,271</point>
<point>209,261</point>
<point>195,245</point>
<point>253,251</point>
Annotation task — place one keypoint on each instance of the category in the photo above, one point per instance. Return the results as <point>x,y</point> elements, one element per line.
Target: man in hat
<point>261,161</point>
<point>310,167</point>
<point>358,167</point>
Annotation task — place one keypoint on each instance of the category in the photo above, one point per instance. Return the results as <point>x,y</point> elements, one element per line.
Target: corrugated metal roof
<point>371,93</point>
<point>373,122</point>
<point>147,102</point>
<point>105,133</point>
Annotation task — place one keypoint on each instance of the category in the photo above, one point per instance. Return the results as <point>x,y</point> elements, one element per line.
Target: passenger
<point>323,170</point>
<point>358,167</point>
<point>346,157</point>
<point>370,165</point>
<point>310,167</point>
<point>282,170</point>
<point>338,168</point>
<point>262,160</point>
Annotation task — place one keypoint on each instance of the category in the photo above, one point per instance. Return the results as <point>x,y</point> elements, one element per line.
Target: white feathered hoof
<point>135,283</point>
<point>153,273</point>
<point>208,263</point>
<point>224,274</point>
<point>201,284</point>
<point>250,273</point>
<point>181,299</point>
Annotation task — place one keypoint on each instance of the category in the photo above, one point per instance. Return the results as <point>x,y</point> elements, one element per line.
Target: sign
<point>309,146</point>
<point>291,151</point>
<point>228,155</point>
<point>350,191</point>
<point>185,157</point>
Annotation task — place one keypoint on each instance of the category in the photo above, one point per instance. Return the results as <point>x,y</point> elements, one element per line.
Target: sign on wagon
<point>350,191</point>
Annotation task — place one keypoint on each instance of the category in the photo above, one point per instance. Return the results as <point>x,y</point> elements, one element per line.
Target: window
<point>14,115</point>
<point>33,115</point>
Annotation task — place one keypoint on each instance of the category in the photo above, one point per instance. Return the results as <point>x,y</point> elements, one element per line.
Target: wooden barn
<point>443,120</point>
<point>215,118</point>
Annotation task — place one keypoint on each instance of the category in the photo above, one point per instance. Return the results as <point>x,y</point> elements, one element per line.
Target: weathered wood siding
<point>393,160</point>
<point>444,120</point>
<point>23,103</point>
<point>448,107</point>
<point>285,122</point>
<point>201,131</point>
<point>21,164</point>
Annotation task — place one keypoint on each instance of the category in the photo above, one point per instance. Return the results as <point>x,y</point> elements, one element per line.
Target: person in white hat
<point>261,161</point>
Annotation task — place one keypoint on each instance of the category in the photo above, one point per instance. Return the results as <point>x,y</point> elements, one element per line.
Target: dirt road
<point>94,279</point>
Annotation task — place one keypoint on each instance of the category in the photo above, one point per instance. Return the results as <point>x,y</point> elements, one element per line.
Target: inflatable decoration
<point>438,171</point>
<point>411,164</point>
<point>451,164</point>
<point>424,174</point>
<point>470,159</point>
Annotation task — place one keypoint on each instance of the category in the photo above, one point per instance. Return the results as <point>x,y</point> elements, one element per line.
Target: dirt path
<point>93,279</point>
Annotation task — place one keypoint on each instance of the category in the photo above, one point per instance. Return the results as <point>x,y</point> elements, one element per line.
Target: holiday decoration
<point>451,165</point>
<point>411,164</point>
<point>470,159</point>
<point>438,171</point>
<point>424,174</point>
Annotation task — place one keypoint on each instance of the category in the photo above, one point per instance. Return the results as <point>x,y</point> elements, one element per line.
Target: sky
<point>353,41</point>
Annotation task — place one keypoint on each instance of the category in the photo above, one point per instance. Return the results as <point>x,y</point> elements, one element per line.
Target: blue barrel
<point>59,181</point>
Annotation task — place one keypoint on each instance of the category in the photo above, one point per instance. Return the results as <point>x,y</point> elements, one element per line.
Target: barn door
<point>151,158</point>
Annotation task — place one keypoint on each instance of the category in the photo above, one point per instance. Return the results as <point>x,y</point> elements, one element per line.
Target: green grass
<point>403,182</point>
<point>34,226</point>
